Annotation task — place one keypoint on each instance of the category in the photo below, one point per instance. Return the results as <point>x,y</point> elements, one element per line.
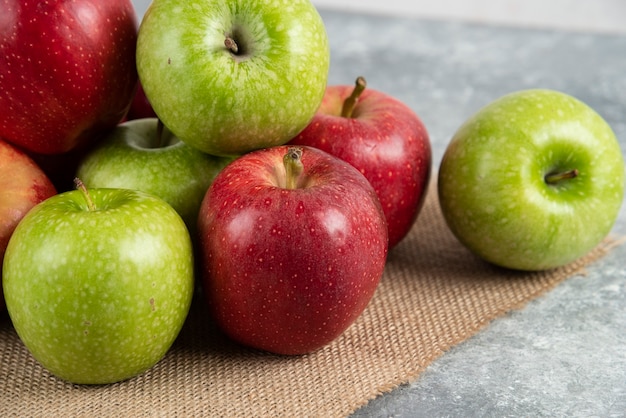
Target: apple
<point>292,246</point>
<point>142,154</point>
<point>231,76</point>
<point>67,71</point>
<point>532,181</point>
<point>61,168</point>
<point>384,139</point>
<point>99,282</point>
<point>22,186</point>
<point>140,107</point>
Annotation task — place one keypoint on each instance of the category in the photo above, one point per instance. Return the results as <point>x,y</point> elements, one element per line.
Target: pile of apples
<point>204,146</point>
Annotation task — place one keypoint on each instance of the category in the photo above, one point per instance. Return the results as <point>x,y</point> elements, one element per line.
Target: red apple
<point>140,108</point>
<point>384,139</point>
<point>67,70</point>
<point>61,168</point>
<point>293,244</point>
<point>22,185</point>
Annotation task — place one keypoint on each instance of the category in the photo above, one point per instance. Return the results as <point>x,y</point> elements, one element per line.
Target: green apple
<point>532,181</point>
<point>99,283</point>
<point>143,155</point>
<point>231,76</point>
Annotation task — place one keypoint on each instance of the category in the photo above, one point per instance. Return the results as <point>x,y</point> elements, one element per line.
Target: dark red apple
<point>384,139</point>
<point>67,70</point>
<point>140,108</point>
<point>22,185</point>
<point>61,168</point>
<point>293,244</point>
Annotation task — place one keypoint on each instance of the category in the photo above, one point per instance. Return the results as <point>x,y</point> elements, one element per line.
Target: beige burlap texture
<point>434,294</point>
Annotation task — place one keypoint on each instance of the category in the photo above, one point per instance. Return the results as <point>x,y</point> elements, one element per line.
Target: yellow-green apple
<point>292,244</point>
<point>98,283</point>
<point>22,186</point>
<point>67,71</point>
<point>142,154</point>
<point>533,180</point>
<point>231,76</point>
<point>384,139</point>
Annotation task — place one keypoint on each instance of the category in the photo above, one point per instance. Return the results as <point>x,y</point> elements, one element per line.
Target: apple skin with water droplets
<point>532,181</point>
<point>288,270</point>
<point>99,295</point>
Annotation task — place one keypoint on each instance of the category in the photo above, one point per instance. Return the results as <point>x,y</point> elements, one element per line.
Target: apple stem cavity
<point>81,186</point>
<point>293,167</point>
<point>556,177</point>
<point>350,102</point>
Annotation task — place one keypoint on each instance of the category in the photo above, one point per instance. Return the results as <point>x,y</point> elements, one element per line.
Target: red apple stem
<point>81,186</point>
<point>293,167</point>
<point>556,177</point>
<point>231,45</point>
<point>350,102</point>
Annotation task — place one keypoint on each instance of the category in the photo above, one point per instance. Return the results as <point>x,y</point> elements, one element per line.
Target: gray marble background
<point>564,355</point>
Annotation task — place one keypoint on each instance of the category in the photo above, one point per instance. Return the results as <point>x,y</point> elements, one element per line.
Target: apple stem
<point>554,178</point>
<point>350,102</point>
<point>231,45</point>
<point>159,133</point>
<point>81,186</point>
<point>293,167</point>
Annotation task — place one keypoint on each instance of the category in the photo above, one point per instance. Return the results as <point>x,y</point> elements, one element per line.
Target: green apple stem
<point>160,128</point>
<point>556,177</point>
<point>231,45</point>
<point>81,186</point>
<point>293,167</point>
<point>350,102</point>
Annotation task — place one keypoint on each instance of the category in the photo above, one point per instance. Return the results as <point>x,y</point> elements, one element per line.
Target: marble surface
<point>565,353</point>
<point>597,15</point>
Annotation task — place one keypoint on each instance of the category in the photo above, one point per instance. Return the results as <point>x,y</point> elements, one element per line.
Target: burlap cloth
<point>434,294</point>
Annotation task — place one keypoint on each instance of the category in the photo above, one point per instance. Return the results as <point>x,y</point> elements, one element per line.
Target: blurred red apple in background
<point>384,139</point>
<point>22,185</point>
<point>67,71</point>
<point>140,108</point>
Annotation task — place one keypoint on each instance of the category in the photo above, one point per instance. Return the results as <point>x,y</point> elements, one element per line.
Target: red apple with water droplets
<point>384,139</point>
<point>22,186</point>
<point>293,244</point>
<point>67,71</point>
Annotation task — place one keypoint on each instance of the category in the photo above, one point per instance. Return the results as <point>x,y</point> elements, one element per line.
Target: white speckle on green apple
<point>532,181</point>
